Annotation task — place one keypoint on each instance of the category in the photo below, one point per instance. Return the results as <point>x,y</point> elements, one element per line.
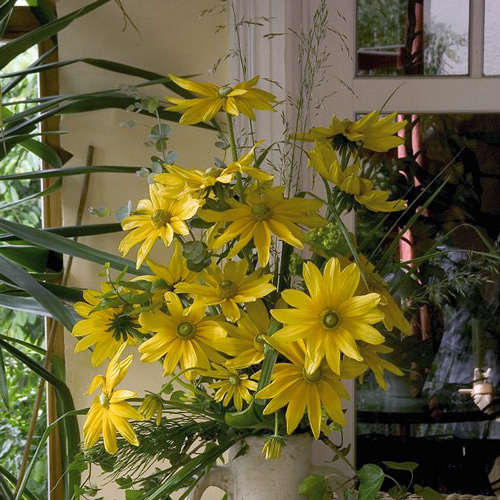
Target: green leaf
<point>19,45</point>
<point>29,256</point>
<point>51,189</point>
<point>43,151</point>
<point>315,487</point>
<point>62,172</point>
<point>47,300</point>
<point>370,477</point>
<point>427,493</point>
<point>398,492</point>
<point>132,495</point>
<point>124,482</point>
<point>5,13</point>
<point>409,466</point>
<point>27,304</point>
<point>66,246</point>
<point>4,391</point>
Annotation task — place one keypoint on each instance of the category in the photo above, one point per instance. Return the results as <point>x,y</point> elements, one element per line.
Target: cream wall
<point>172,39</point>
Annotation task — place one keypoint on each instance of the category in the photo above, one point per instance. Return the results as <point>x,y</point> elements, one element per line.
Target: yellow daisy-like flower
<point>232,385</point>
<point>331,318</point>
<point>393,316</point>
<point>378,364</point>
<point>246,340</point>
<point>242,98</point>
<point>105,329</point>
<point>159,217</point>
<point>228,287</point>
<point>179,181</point>
<point>184,337</point>
<point>151,405</point>
<point>370,132</point>
<point>302,389</point>
<point>109,411</point>
<point>324,160</point>
<point>166,277</point>
<point>262,215</point>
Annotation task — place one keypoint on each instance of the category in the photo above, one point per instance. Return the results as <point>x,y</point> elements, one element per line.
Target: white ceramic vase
<point>252,477</point>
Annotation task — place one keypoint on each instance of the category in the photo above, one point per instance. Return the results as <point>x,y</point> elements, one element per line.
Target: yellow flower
<point>242,98</point>
<point>370,132</point>
<point>262,215</point>
<point>179,181</point>
<point>246,341</point>
<point>324,160</point>
<point>159,217</point>
<point>232,385</point>
<point>184,337</point>
<point>105,329</point>
<point>393,316</point>
<point>378,364</point>
<point>295,385</point>
<point>166,277</point>
<point>331,318</point>
<point>273,446</point>
<point>152,404</point>
<point>109,410</point>
<point>228,288</point>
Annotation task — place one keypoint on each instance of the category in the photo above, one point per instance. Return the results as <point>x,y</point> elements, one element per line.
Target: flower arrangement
<point>263,307</point>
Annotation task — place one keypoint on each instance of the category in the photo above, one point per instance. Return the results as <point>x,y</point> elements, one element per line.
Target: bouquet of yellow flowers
<point>260,309</point>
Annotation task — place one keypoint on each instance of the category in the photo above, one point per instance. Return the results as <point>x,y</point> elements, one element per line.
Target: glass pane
<point>491,38</point>
<point>451,299</point>
<point>390,41</point>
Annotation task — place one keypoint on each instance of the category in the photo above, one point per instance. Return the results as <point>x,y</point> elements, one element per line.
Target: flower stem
<point>234,153</point>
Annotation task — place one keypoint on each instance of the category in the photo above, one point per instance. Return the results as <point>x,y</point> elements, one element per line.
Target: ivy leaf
<point>370,477</point>
<point>409,466</point>
<point>398,492</point>
<point>315,487</point>
<point>132,495</point>
<point>427,493</point>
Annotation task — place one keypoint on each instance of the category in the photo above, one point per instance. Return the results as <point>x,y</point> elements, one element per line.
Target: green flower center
<point>234,380</point>
<point>212,172</point>
<point>312,377</point>
<point>330,319</point>
<point>225,289</point>
<point>225,91</point>
<point>260,211</point>
<point>104,400</point>
<point>160,218</point>
<point>185,330</point>
<point>122,326</point>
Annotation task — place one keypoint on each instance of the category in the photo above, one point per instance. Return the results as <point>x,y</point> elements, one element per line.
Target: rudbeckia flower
<point>302,390</point>
<point>184,337</point>
<point>179,181</point>
<point>159,217</point>
<point>324,160</point>
<point>105,329</point>
<point>331,318</point>
<point>228,287</point>
<point>377,364</point>
<point>166,277</point>
<point>231,386</point>
<point>242,98</point>
<point>393,316</point>
<point>245,341</point>
<point>109,411</point>
<point>369,132</point>
<point>263,214</point>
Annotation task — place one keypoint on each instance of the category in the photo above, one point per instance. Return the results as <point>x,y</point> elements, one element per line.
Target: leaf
<point>315,487</point>
<point>124,482</point>
<point>51,189</point>
<point>132,495</point>
<point>29,256</point>
<point>63,245</point>
<point>27,304</point>
<point>46,299</point>
<point>19,45</point>
<point>4,391</point>
<point>427,493</point>
<point>409,466</point>
<point>62,172</point>
<point>398,492</point>
<point>370,477</point>
<point>43,151</point>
